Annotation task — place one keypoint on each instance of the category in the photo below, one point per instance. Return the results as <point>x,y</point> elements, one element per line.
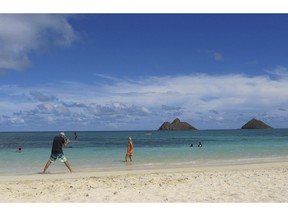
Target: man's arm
<point>66,143</point>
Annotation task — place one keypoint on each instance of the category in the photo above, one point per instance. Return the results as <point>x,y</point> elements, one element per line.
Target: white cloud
<point>280,71</point>
<point>205,100</point>
<point>21,34</point>
<point>229,91</point>
<point>39,96</point>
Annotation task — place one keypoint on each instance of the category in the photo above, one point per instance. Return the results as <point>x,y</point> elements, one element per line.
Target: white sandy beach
<point>242,183</point>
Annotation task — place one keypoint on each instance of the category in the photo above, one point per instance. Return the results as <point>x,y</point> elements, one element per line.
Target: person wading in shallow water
<point>75,135</point>
<point>57,151</point>
<point>129,149</point>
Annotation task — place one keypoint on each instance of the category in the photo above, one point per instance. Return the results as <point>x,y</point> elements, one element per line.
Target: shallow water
<point>152,149</point>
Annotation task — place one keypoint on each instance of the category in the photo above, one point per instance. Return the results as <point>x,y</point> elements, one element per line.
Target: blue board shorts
<point>60,156</point>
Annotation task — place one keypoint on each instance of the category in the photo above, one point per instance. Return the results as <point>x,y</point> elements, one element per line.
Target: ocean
<point>100,151</point>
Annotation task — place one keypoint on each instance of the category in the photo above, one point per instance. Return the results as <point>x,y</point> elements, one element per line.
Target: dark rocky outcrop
<point>255,124</point>
<point>176,125</point>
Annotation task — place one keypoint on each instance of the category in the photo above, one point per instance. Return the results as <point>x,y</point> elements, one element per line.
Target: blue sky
<point>135,71</point>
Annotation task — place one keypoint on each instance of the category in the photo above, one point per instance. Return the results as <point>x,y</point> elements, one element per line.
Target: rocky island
<point>176,125</point>
<point>255,124</point>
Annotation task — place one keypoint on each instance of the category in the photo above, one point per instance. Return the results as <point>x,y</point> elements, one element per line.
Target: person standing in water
<point>129,149</point>
<point>75,135</point>
<point>19,150</point>
<point>57,151</point>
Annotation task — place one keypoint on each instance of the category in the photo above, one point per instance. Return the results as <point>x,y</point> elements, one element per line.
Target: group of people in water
<point>61,141</point>
<point>199,145</point>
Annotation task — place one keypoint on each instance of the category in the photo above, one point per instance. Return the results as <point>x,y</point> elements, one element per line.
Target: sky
<point>135,71</point>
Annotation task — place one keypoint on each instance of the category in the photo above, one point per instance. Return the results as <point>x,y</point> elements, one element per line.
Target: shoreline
<point>59,168</point>
<point>62,172</point>
<point>234,183</point>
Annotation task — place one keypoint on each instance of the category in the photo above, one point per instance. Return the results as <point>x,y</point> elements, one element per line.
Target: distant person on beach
<point>75,135</point>
<point>57,151</point>
<point>129,149</point>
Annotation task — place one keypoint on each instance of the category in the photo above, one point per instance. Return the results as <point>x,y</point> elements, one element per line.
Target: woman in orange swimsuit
<point>129,149</point>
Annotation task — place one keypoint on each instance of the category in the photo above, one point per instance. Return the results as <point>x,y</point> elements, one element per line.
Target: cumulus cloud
<point>204,100</point>
<point>39,96</point>
<point>51,109</point>
<point>169,108</point>
<point>21,34</point>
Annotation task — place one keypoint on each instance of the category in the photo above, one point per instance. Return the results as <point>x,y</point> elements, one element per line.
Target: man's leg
<point>68,166</point>
<point>46,166</point>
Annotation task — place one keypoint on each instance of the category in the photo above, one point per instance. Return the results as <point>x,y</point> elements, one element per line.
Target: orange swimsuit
<point>130,148</point>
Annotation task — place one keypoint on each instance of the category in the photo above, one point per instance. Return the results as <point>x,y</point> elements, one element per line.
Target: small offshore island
<point>255,124</point>
<point>178,125</point>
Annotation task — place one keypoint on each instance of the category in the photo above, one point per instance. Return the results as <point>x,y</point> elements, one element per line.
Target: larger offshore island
<point>178,125</point>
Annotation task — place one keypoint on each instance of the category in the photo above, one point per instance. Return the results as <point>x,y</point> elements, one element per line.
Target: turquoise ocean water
<point>152,149</point>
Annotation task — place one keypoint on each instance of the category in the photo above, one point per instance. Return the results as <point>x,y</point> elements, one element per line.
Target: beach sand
<point>242,183</point>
